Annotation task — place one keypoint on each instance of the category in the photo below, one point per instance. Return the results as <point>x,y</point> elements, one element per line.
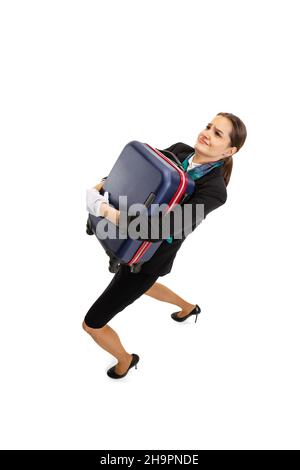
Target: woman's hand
<point>99,205</point>
<point>99,185</point>
<point>94,201</point>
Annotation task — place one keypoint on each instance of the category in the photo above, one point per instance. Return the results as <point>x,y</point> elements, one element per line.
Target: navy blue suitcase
<point>147,176</point>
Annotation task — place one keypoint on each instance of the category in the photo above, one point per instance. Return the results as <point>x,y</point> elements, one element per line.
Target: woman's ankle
<point>125,358</point>
<point>188,307</point>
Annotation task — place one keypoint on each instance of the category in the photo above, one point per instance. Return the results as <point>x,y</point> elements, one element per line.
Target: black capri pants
<point>124,288</point>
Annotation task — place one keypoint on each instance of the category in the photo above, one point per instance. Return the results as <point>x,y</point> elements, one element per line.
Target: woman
<point>210,164</point>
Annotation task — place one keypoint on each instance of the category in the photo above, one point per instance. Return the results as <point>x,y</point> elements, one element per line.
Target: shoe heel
<point>196,317</point>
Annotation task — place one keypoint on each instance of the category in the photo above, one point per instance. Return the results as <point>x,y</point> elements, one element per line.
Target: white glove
<point>94,200</point>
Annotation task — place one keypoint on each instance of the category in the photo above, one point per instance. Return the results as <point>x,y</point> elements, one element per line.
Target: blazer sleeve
<point>209,199</point>
<point>171,148</point>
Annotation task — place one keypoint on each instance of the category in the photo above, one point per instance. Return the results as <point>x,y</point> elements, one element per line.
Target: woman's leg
<point>109,340</point>
<point>124,289</point>
<point>160,292</point>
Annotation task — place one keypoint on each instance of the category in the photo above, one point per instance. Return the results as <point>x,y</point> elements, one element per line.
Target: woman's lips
<point>202,141</point>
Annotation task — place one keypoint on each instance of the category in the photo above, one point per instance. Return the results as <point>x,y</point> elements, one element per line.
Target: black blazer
<point>210,190</point>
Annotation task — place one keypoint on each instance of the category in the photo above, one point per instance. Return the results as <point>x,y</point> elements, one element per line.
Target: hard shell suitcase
<point>147,176</point>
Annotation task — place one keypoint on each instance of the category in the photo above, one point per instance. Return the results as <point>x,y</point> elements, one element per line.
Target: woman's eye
<point>217,133</point>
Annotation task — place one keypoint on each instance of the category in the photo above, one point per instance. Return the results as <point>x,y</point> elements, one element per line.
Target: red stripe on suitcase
<point>177,195</point>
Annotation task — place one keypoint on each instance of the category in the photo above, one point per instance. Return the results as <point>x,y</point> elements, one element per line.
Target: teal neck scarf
<point>197,173</point>
<point>200,170</point>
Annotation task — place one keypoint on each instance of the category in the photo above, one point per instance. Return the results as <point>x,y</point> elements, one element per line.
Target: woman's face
<point>213,142</point>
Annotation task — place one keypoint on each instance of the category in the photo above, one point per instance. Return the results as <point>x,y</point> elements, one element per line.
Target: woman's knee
<point>85,326</point>
<point>152,288</point>
<point>89,329</point>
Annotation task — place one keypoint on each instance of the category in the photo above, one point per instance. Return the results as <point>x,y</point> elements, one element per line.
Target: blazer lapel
<point>182,151</point>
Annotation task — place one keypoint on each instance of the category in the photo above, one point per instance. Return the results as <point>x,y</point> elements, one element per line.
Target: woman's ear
<point>234,150</point>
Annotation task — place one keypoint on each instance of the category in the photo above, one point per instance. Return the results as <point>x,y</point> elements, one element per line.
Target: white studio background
<point>79,80</point>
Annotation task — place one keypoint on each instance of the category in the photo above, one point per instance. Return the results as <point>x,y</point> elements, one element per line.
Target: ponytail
<point>227,169</point>
<point>237,138</point>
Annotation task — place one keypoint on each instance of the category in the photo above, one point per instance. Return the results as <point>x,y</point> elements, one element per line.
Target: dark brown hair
<point>237,138</point>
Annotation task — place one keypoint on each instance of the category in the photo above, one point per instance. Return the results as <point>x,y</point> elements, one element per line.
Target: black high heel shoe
<point>113,374</point>
<point>196,312</point>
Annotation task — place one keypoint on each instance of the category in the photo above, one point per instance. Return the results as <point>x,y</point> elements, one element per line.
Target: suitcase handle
<point>175,158</point>
<point>149,200</point>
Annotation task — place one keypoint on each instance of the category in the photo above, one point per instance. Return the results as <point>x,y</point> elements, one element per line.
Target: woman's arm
<point>209,199</point>
<point>107,211</point>
<point>110,213</point>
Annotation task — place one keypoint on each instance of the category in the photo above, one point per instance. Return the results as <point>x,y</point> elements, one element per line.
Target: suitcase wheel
<point>89,231</point>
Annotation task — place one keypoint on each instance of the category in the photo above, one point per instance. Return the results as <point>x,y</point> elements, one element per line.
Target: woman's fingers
<point>99,185</point>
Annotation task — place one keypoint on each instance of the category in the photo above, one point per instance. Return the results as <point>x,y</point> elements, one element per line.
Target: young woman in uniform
<point>209,163</point>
